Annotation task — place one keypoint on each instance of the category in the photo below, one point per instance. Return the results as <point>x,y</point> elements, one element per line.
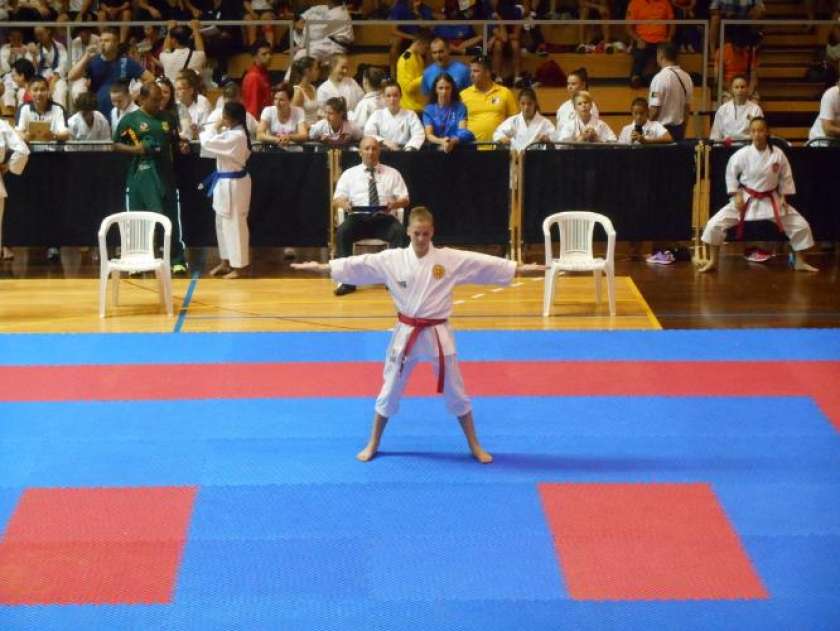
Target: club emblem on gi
<point>438,272</point>
<point>144,127</point>
<point>164,125</point>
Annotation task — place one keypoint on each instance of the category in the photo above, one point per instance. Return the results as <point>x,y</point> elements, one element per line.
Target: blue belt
<point>211,180</point>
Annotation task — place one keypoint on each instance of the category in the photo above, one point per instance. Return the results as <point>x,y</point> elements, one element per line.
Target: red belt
<point>418,325</point>
<point>777,217</point>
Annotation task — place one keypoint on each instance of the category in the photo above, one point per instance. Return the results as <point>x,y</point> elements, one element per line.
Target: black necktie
<point>373,194</point>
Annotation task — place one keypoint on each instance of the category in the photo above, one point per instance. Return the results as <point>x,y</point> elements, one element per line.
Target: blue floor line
<point>672,345</point>
<point>182,315</point>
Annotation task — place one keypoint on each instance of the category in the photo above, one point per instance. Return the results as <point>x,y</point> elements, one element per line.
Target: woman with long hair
<point>445,117</point>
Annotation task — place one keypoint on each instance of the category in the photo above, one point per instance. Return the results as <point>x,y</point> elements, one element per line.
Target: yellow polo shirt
<point>410,68</point>
<point>487,110</point>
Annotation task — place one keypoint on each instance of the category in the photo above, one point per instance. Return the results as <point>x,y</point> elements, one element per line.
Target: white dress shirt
<point>353,185</point>
<point>670,90</point>
<point>403,128</point>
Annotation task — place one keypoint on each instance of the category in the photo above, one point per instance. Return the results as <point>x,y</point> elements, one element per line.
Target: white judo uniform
<point>422,288</point>
<point>522,133</point>
<point>10,142</point>
<point>768,175</point>
<point>325,40</point>
<point>231,196</point>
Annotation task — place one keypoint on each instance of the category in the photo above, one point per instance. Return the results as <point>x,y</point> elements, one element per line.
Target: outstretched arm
<point>524,268</point>
<point>312,266</point>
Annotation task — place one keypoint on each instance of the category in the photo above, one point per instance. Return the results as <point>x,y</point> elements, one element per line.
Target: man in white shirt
<point>670,93</point>
<point>121,101</point>
<point>193,112</point>
<point>373,191</point>
<point>394,127</point>
<point>42,110</point>
<point>340,83</point>
<point>420,280</point>
<point>827,124</point>
<point>51,62</point>
<point>177,54</point>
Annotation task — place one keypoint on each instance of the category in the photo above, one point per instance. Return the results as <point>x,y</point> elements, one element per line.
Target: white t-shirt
<point>117,114</point>
<point>670,91</point>
<point>79,130</point>
<point>276,126</point>
<point>651,129</point>
<point>346,88</point>
<point>322,129</point>
<point>829,110</point>
<point>174,60</point>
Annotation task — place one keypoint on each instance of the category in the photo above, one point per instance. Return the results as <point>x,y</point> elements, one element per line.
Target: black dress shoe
<point>344,289</point>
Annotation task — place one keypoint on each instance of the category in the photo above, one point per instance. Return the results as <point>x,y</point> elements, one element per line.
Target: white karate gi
<point>761,171</point>
<point>422,288</point>
<point>566,113</point>
<point>54,62</point>
<point>326,40</point>
<point>522,133</point>
<point>829,110</point>
<point>10,142</point>
<point>733,121</point>
<point>571,129</point>
<point>347,88</point>
<point>79,130</point>
<point>403,128</point>
<point>54,116</point>
<point>651,129</point>
<point>370,102</point>
<point>231,197</point>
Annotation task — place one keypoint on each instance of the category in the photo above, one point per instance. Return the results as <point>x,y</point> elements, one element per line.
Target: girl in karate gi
<point>732,119</point>
<point>527,128</point>
<point>420,279</point>
<point>585,126</point>
<point>758,177</point>
<point>230,187</point>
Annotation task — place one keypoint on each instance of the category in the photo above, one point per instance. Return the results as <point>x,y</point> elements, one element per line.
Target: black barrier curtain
<point>468,191</point>
<point>61,198</point>
<point>815,171</point>
<point>645,191</point>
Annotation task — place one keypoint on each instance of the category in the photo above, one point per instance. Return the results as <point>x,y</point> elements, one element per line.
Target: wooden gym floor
<point>40,296</point>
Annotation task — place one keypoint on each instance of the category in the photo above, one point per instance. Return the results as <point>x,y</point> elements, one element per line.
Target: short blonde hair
<point>581,94</point>
<point>421,214</point>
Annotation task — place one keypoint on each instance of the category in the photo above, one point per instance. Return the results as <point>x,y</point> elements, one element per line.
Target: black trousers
<point>641,57</point>
<point>364,226</point>
<point>677,131</point>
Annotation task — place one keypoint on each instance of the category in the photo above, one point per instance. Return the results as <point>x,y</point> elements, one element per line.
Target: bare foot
<point>708,266</point>
<point>366,454</point>
<point>800,265</point>
<point>7,254</point>
<point>231,274</point>
<point>221,268</point>
<point>482,456</point>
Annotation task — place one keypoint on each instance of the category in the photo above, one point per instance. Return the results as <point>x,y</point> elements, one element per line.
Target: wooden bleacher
<point>790,101</point>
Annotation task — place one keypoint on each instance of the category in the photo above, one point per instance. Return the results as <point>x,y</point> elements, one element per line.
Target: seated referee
<point>368,193</point>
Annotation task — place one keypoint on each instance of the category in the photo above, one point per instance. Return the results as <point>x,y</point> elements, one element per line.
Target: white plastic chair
<point>576,230</point>
<point>341,215</point>
<point>137,254</point>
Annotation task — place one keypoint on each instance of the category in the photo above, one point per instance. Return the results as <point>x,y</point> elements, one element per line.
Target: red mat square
<point>94,546</point>
<point>647,542</point>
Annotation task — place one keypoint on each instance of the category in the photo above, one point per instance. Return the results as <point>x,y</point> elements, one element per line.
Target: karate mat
<point>671,479</point>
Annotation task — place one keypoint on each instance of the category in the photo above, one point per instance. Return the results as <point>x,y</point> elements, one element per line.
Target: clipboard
<point>39,130</point>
